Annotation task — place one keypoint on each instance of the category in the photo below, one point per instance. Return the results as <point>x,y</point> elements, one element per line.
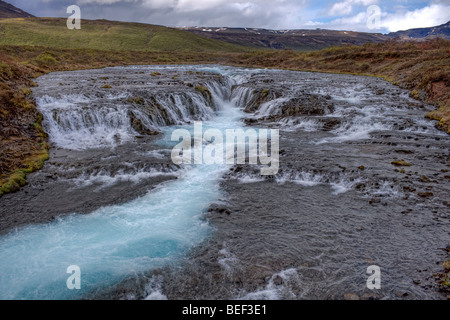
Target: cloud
<point>101,2</point>
<point>270,14</point>
<point>346,7</point>
<point>428,16</point>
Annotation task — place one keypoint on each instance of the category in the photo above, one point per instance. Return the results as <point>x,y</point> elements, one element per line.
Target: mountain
<point>302,40</point>
<point>442,31</point>
<point>9,11</point>
<point>107,35</point>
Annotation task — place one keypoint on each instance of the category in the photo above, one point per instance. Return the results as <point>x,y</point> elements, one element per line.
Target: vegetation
<point>106,35</point>
<point>401,163</point>
<point>204,91</point>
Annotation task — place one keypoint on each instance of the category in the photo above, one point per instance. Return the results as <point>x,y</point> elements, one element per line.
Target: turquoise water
<point>114,242</point>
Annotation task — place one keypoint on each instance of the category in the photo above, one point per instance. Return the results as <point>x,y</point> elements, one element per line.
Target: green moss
<point>264,93</point>
<point>106,86</point>
<point>18,179</point>
<point>45,59</point>
<point>154,74</point>
<point>415,94</point>
<point>204,90</point>
<point>14,182</point>
<point>136,100</point>
<point>446,265</point>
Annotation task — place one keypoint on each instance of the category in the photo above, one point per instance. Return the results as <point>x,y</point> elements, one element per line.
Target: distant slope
<point>442,31</point>
<point>106,35</point>
<point>9,11</point>
<point>302,40</point>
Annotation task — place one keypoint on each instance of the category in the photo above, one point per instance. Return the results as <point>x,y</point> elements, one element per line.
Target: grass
<point>105,35</point>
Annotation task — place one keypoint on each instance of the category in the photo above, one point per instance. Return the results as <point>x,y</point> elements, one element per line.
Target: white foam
<point>385,189</point>
<point>227,260</point>
<point>79,122</point>
<point>104,179</point>
<point>158,154</point>
<point>304,124</point>
<point>154,289</point>
<point>358,128</point>
<point>272,107</point>
<point>306,179</point>
<point>343,185</point>
<point>289,280</point>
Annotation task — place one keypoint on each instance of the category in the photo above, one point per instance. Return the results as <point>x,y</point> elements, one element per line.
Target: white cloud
<point>429,16</point>
<point>346,7</point>
<point>81,2</point>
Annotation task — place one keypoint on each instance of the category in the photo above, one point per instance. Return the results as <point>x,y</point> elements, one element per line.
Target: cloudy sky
<point>272,14</point>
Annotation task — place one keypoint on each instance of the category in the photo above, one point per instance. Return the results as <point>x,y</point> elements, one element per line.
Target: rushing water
<point>111,201</point>
<point>112,242</point>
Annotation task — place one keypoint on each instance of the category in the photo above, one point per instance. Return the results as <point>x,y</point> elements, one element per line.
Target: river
<point>111,201</point>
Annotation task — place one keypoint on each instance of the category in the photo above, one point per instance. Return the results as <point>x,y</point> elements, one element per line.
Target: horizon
<point>345,15</point>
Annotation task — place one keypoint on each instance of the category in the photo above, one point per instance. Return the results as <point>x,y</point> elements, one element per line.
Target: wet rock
<point>370,296</point>
<point>425,194</point>
<point>307,105</point>
<point>408,189</point>
<point>249,121</point>
<point>351,296</point>
<point>401,163</point>
<point>278,281</point>
<point>217,208</point>
<point>330,123</point>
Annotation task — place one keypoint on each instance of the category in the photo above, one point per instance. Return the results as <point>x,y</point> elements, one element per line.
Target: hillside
<point>442,31</point>
<point>301,40</point>
<point>9,11</point>
<point>106,35</point>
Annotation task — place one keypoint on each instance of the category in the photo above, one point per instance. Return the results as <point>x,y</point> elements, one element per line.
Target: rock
<point>350,296</point>
<point>369,296</point>
<point>408,189</point>
<point>401,163</point>
<point>278,281</point>
<point>330,124</point>
<point>217,208</point>
<point>425,194</point>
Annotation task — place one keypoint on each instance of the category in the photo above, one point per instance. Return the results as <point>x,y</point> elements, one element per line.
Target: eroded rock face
<point>302,105</point>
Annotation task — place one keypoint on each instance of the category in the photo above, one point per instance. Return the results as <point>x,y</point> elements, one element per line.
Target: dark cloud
<point>238,13</point>
<point>271,14</point>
